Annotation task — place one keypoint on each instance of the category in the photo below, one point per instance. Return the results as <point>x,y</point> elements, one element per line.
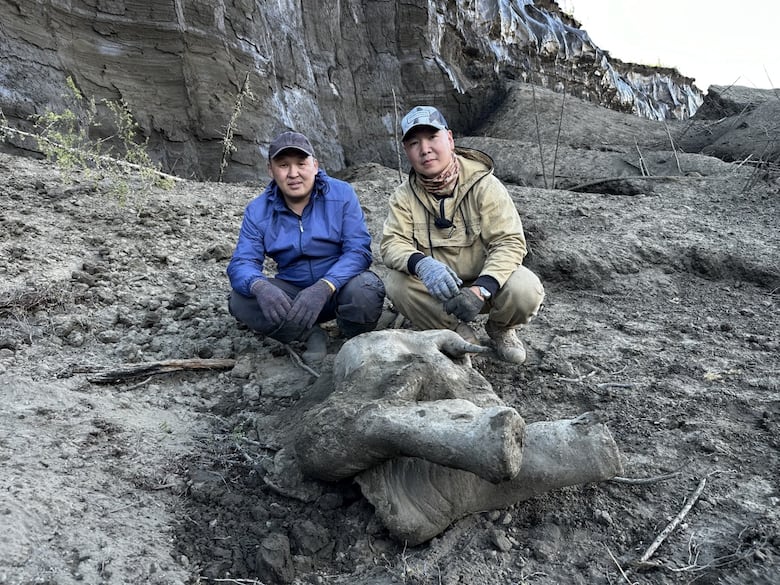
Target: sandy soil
<point>661,317</point>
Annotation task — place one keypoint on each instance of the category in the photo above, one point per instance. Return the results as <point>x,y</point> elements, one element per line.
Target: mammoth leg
<point>416,499</point>
<point>340,442</point>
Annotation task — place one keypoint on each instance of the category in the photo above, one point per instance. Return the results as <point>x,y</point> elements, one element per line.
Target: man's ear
<point>270,171</point>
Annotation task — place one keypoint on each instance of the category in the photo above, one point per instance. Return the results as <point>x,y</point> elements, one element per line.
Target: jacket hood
<point>475,165</point>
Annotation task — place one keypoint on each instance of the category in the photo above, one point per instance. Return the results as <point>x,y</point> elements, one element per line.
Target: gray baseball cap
<point>423,116</point>
<point>287,140</point>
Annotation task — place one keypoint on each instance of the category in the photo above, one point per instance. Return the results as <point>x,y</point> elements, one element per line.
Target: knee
<point>398,285</point>
<point>365,290</point>
<point>241,307</point>
<point>525,291</point>
<point>360,302</point>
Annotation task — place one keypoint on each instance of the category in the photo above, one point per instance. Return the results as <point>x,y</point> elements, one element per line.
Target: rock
<point>500,540</point>
<point>243,368</point>
<point>309,537</point>
<point>274,560</point>
<point>336,87</point>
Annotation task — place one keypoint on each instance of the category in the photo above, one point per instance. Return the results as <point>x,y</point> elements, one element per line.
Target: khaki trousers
<point>515,303</point>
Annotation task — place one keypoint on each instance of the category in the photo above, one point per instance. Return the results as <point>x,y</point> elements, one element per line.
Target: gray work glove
<point>440,280</point>
<point>308,305</point>
<point>465,305</point>
<point>273,301</point>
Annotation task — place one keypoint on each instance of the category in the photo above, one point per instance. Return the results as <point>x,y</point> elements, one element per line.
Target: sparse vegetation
<point>120,161</point>
<point>227,141</point>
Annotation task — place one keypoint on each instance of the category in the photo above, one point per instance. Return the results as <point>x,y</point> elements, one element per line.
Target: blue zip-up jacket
<point>330,240</point>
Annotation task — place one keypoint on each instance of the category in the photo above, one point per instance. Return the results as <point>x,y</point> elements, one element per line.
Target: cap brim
<point>285,148</point>
<point>437,128</point>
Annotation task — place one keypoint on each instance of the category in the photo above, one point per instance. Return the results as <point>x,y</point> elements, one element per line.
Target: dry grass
<point>24,301</point>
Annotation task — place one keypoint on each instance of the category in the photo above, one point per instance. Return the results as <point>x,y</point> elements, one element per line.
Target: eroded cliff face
<point>342,72</point>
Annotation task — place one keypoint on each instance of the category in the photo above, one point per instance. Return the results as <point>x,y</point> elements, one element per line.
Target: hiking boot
<point>508,347</point>
<point>316,347</point>
<point>467,333</point>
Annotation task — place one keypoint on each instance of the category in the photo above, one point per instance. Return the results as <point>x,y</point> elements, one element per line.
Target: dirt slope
<point>661,316</point>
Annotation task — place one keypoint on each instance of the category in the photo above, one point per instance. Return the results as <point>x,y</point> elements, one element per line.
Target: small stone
<point>500,540</point>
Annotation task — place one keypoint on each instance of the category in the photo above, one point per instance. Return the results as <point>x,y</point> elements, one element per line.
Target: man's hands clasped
<point>302,311</point>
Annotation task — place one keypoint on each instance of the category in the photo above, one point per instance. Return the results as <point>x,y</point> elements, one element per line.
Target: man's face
<point>429,150</point>
<point>294,173</point>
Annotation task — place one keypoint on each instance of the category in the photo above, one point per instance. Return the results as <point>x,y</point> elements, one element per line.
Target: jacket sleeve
<point>502,231</point>
<point>356,243</point>
<point>397,244</point>
<point>246,265</point>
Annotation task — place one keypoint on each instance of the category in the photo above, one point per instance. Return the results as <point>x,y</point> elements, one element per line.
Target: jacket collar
<point>277,199</point>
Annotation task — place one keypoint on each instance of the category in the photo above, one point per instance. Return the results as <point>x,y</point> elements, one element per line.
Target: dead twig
<point>608,385</point>
<point>539,134</point>
<point>645,480</point>
<point>244,581</point>
<point>674,150</point>
<point>558,136</point>
<point>397,140</point>
<point>579,379</point>
<point>639,177</point>
<point>642,164</point>
<point>299,362</point>
<point>617,564</point>
<point>129,371</point>
<point>139,384</point>
<point>102,157</point>
<point>676,520</point>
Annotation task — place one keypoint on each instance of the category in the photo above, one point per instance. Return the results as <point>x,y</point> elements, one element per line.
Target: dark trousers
<point>356,308</point>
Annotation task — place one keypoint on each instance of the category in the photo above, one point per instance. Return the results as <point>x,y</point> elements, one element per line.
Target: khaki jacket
<point>487,237</point>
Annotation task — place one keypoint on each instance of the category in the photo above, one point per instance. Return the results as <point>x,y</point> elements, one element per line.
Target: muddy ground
<point>661,316</point>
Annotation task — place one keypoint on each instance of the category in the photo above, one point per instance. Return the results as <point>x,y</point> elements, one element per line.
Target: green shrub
<point>120,163</point>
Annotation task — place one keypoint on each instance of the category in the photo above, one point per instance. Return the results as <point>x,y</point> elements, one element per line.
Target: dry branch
<point>674,149</point>
<point>129,371</point>
<point>299,362</point>
<point>642,164</point>
<point>539,135</point>
<point>675,521</point>
<point>639,177</point>
<point>617,564</point>
<point>102,157</point>
<point>644,480</point>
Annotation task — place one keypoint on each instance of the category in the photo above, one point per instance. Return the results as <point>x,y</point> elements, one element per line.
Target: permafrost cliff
<point>342,72</point>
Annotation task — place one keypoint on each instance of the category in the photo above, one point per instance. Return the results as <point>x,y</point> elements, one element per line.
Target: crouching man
<point>454,242</point>
<point>314,229</point>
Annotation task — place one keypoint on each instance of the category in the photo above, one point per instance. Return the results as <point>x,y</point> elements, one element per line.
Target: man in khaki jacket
<point>454,242</point>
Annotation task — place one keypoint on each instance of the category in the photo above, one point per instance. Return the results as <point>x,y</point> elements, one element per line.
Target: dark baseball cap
<point>423,116</point>
<point>286,140</point>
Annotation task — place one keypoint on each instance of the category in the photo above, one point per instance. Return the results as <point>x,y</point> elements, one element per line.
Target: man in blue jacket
<point>314,229</point>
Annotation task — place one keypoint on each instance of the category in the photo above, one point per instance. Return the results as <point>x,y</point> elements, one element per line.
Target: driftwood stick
<point>645,480</point>
<point>129,371</point>
<point>675,521</point>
